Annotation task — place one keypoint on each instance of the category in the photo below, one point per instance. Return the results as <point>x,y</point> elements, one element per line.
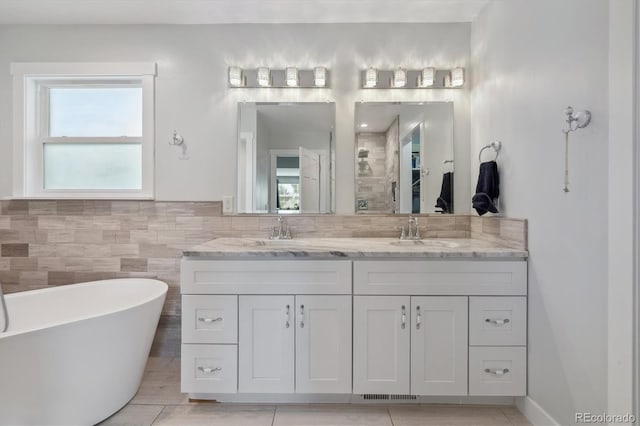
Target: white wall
<point>530,59</point>
<point>437,148</point>
<point>192,95</point>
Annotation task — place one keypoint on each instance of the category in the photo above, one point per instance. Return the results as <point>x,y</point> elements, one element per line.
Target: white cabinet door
<point>439,345</point>
<point>381,344</point>
<point>323,344</point>
<point>266,344</point>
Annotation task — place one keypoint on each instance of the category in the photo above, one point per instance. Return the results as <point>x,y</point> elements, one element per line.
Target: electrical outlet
<point>227,204</point>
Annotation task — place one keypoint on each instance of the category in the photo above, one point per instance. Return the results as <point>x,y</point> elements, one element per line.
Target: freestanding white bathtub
<point>75,354</point>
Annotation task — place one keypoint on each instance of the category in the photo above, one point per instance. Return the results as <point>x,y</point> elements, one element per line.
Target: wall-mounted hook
<point>178,140</point>
<point>577,120</point>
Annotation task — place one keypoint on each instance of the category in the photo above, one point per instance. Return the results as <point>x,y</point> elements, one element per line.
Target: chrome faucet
<point>281,230</point>
<point>413,230</point>
<point>3,307</point>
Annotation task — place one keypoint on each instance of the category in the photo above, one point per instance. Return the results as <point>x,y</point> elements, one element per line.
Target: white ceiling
<point>236,11</point>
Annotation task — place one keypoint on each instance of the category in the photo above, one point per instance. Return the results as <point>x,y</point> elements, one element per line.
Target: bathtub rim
<point>122,308</point>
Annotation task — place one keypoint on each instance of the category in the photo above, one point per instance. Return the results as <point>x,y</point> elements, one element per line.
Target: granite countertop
<point>335,248</point>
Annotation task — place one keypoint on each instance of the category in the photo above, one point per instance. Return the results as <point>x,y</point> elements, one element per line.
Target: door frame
<point>623,298</point>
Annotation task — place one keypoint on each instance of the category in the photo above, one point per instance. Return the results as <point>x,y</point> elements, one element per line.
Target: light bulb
<point>320,76</point>
<point>399,78</point>
<point>371,78</point>
<point>292,76</point>
<point>235,76</point>
<point>264,77</point>
<point>457,77</point>
<point>428,77</point>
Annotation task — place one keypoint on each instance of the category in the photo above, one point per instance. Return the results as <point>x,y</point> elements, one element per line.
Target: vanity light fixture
<point>291,76</point>
<point>235,76</point>
<point>457,77</point>
<point>364,125</point>
<point>320,76</point>
<point>264,77</point>
<point>427,77</point>
<point>399,78</point>
<point>371,78</point>
<point>282,78</point>
<point>403,78</point>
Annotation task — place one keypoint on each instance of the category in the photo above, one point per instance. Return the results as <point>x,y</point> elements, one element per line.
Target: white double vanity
<point>343,320</point>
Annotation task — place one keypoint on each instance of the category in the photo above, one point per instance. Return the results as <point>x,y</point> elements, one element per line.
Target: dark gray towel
<point>488,188</point>
<point>445,200</point>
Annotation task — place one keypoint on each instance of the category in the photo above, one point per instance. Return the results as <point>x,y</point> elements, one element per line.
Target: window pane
<point>107,112</point>
<point>92,166</point>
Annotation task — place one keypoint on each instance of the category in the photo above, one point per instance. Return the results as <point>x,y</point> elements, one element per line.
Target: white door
<point>246,172</point>
<point>439,345</point>
<point>265,344</point>
<point>323,344</point>
<point>425,171</point>
<point>309,181</point>
<point>381,344</point>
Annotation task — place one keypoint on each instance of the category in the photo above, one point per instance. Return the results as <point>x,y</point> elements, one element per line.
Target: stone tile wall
<point>505,231</point>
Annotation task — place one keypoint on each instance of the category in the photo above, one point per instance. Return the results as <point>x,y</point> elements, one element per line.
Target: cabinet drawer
<point>498,371</point>
<point>209,319</point>
<point>498,321</point>
<point>209,369</point>
<point>440,278</point>
<point>265,276</point>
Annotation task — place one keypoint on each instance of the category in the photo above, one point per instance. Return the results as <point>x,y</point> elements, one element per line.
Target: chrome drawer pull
<point>403,318</point>
<point>209,320</point>
<point>209,370</point>
<point>418,318</point>
<point>497,321</point>
<point>497,371</point>
<point>301,316</point>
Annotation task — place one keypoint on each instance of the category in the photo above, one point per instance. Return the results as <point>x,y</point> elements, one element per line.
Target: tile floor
<point>159,402</point>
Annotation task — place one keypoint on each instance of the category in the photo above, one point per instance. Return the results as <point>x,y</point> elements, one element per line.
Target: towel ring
<point>496,145</point>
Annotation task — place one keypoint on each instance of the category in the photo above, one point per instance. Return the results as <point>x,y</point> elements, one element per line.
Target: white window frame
<point>31,82</point>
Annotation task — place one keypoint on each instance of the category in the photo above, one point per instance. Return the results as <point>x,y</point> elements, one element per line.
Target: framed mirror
<point>285,157</point>
<point>404,157</point>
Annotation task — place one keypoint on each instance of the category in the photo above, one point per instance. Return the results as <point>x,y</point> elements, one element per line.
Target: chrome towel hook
<point>496,145</point>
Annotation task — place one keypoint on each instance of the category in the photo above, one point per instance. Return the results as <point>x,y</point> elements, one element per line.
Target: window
<point>85,134</point>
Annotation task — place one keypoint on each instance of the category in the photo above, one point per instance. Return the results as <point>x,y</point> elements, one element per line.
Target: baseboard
<point>534,412</point>
<point>297,398</point>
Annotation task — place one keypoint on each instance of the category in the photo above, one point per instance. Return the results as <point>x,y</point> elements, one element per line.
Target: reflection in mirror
<point>285,158</point>
<point>404,157</point>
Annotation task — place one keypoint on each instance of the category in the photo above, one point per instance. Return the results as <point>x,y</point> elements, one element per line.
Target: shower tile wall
<point>371,178</point>
<point>44,243</point>
<point>392,164</point>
